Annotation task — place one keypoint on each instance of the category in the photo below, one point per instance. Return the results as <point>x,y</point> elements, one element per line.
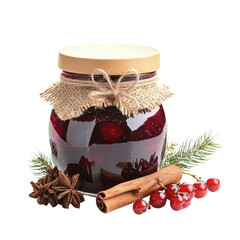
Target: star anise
<point>66,194</point>
<point>43,192</point>
<point>52,173</point>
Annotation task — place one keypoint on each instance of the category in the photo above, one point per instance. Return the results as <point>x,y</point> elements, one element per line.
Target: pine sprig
<point>191,152</point>
<point>40,163</point>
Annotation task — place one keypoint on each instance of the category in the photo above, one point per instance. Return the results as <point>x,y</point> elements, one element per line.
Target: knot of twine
<point>116,92</point>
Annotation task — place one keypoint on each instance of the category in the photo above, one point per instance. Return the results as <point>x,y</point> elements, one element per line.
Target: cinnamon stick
<point>128,192</point>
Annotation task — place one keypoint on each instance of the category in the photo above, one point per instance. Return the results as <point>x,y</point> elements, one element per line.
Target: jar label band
<point>71,97</point>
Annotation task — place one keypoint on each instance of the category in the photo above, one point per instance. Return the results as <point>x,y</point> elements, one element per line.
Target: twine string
<point>115,91</point>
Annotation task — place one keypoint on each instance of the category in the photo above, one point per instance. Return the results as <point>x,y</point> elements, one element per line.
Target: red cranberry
<point>111,131</point>
<point>213,184</point>
<point>140,206</point>
<point>188,188</point>
<point>201,188</point>
<point>158,199</point>
<point>177,202</point>
<point>171,190</point>
<point>187,199</point>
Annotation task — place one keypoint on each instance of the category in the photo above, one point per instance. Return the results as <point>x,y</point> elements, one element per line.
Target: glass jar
<point>104,146</point>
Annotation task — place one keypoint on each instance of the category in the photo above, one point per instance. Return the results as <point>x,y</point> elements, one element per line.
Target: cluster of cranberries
<point>180,196</point>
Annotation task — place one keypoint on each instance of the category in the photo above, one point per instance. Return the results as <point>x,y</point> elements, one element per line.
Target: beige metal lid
<point>115,59</point>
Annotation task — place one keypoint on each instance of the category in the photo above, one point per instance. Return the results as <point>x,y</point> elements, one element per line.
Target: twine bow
<point>115,92</point>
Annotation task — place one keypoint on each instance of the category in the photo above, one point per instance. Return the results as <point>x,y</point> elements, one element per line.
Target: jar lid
<point>115,59</point>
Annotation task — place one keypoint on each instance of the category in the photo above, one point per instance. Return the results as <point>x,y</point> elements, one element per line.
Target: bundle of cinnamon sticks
<point>128,192</point>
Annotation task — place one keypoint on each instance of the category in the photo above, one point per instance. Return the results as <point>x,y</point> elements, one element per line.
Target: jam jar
<point>102,145</point>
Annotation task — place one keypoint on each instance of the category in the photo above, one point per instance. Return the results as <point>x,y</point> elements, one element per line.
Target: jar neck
<point>131,77</point>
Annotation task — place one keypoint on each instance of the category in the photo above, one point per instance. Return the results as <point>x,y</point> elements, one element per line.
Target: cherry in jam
<point>107,148</point>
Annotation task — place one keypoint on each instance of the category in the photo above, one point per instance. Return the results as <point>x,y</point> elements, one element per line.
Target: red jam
<point>106,147</point>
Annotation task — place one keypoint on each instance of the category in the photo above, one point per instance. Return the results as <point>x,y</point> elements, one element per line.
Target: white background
<point>199,43</point>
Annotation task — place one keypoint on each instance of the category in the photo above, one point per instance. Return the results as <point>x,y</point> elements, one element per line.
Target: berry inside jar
<point>106,147</point>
